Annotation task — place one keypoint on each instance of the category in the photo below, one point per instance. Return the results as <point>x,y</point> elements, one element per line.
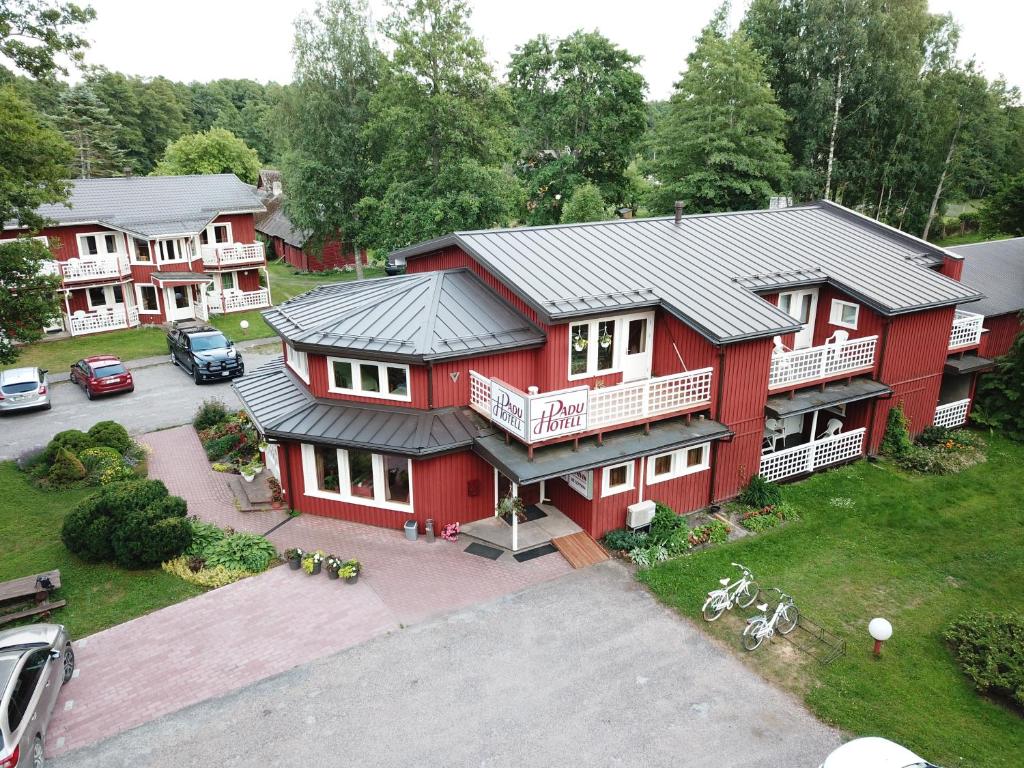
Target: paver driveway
<point>233,636</point>
<point>587,670</point>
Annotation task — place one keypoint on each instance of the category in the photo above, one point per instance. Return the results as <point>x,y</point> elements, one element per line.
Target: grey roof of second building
<point>835,393</point>
<point>996,268</point>
<point>416,318</point>
<point>706,269</point>
<point>275,223</point>
<point>968,363</point>
<point>153,206</point>
<point>282,408</point>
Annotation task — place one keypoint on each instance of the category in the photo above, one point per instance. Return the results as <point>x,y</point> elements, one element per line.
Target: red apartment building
<point>153,249</point>
<point>595,367</point>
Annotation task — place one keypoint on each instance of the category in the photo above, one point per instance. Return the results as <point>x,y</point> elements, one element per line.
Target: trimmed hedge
<point>990,649</point>
<point>75,440</point>
<point>110,434</point>
<point>67,469</point>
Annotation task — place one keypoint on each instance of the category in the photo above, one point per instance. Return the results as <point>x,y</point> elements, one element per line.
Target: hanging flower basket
<point>579,343</point>
<point>605,341</point>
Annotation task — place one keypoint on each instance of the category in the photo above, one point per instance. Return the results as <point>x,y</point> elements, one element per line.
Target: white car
<point>874,752</point>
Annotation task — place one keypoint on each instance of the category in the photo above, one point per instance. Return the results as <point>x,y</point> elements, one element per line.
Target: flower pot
<point>248,476</point>
<point>316,569</point>
<point>295,563</point>
<point>332,574</point>
<point>352,579</point>
<point>276,504</point>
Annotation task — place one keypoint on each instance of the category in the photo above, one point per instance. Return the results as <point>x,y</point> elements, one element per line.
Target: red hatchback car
<point>102,375</point>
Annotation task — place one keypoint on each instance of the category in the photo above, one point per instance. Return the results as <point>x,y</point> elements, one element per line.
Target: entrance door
<point>636,357</point>
<point>801,306</point>
<point>179,302</point>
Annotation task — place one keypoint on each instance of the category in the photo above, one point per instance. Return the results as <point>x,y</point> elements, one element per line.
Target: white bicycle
<point>759,628</point>
<point>741,592</point>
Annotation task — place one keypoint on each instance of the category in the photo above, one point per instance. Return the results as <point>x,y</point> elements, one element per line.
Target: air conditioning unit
<point>640,514</point>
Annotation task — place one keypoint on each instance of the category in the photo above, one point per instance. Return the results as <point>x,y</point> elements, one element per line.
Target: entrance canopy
<point>782,406</point>
<point>967,364</point>
<point>560,459</point>
<point>171,279</point>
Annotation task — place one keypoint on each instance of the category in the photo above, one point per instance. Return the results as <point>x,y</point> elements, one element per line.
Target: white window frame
<point>182,245</point>
<point>108,294</point>
<point>211,240</point>
<point>621,342</point>
<point>357,378</point>
<point>835,314</point>
<point>141,304</point>
<point>298,361</point>
<point>100,238</point>
<point>679,468</point>
<point>344,481</point>
<point>610,490</point>
<point>221,285</point>
<point>133,254</point>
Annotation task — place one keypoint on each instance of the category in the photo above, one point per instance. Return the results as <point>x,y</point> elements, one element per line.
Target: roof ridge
<point>431,319</point>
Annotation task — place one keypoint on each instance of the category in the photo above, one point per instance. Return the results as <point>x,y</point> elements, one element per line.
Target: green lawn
<point>970,237</point>
<point>58,356</point>
<point>917,550</point>
<point>98,596</point>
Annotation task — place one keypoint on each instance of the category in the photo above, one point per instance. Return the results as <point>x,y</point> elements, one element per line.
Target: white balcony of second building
<point>91,269</point>
<point>234,300</point>
<point>839,356</point>
<point>798,445</point>
<point>228,255</point>
<point>108,318</point>
<point>966,330</point>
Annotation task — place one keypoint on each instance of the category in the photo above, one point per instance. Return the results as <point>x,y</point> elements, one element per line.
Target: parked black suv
<point>205,353</point>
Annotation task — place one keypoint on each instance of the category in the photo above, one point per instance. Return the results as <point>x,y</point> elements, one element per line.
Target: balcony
<point>838,358</point>
<point>952,414</point>
<point>801,459</point>
<point>966,330</point>
<point>237,301</point>
<point>224,256</point>
<point>93,269</point>
<point>104,319</point>
<point>536,417</point>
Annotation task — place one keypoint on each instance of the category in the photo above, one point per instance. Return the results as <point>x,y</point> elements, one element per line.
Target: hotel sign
<point>508,409</point>
<point>536,418</point>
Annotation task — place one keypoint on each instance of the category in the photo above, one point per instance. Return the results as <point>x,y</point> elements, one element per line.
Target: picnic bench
<point>29,596</point>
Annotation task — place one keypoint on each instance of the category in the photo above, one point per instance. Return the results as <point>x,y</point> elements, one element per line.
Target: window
<point>592,348</point>
<point>216,233</point>
<point>25,687</point>
<point>358,477</point>
<point>298,362</point>
<point>142,252</point>
<point>174,250</point>
<point>605,345</point>
<point>579,343</point>
<point>637,341</point>
<point>389,381</point>
<point>147,299</point>
<point>104,296</point>
<point>684,461</point>
<point>617,478</point>
<point>97,297</point>
<point>227,281</point>
<point>844,314</point>
<point>98,244</point>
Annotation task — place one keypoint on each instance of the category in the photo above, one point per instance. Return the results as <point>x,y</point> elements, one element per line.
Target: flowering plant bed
<point>450,532</point>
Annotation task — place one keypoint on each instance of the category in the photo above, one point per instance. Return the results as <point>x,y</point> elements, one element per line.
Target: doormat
<point>532,512</point>
<point>530,554</point>
<point>483,551</point>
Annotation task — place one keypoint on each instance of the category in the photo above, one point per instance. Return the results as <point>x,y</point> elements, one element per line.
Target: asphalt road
<point>586,670</point>
<point>164,396</point>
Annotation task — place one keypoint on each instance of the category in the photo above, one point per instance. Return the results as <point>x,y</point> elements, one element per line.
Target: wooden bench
<point>29,596</point>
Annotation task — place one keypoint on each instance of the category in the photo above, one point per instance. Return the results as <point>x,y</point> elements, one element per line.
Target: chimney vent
<point>127,170</point>
<point>679,211</point>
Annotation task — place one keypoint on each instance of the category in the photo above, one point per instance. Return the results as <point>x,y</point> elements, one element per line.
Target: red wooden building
<point>595,368</point>
<point>152,249</point>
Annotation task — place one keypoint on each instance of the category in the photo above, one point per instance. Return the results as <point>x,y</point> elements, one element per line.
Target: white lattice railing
<point>116,317</point>
<point>811,456</point>
<point>966,331</point>
<point>952,414</point>
<point>99,268</point>
<point>229,255</point>
<point>238,301</point>
<point>802,365</point>
<point>619,404</point>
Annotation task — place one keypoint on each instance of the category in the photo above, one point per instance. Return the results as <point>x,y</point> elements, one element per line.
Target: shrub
<point>665,523</point>
<point>147,537</point>
<point>221,446</point>
<point>111,434</point>
<point>98,459</point>
<point>75,440</point>
<point>715,532</point>
<point>67,469</point>
<point>990,650</point>
<point>209,414</point>
<point>210,578</point>
<point>116,474</point>
<point>759,523</point>
<point>625,539</point>
<point>204,536</point>
<point>241,552</point>
<point>896,441</point>
<point>759,493</point>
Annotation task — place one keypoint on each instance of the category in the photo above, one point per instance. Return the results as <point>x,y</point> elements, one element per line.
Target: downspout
<point>430,385</point>
<point>878,377</point>
<point>718,414</point>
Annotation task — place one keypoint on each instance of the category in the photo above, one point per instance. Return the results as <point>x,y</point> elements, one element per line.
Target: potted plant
<point>350,571</point>
<point>509,506</point>
<point>313,561</point>
<point>250,470</point>
<point>276,493</point>
<point>450,532</point>
<point>333,564</point>
<point>294,558</point>
<point>605,340</point>
<point>579,343</point>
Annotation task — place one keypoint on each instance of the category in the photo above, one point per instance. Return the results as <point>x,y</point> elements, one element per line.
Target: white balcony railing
<point>230,255</point>
<point>952,414</point>
<point>237,301</point>
<point>811,456</point>
<point>535,417</point>
<point>98,268</point>
<point>105,319</point>
<point>966,331</point>
<point>825,361</point>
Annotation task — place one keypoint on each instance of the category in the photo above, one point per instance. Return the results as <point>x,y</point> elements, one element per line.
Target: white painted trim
<point>133,255</point>
<point>835,314</point>
<point>620,341</point>
<point>629,485</point>
<point>357,378</point>
<point>100,240</point>
<point>679,468</point>
<point>108,294</point>
<point>138,299</point>
<point>209,230</point>
<point>292,358</point>
<point>310,487</point>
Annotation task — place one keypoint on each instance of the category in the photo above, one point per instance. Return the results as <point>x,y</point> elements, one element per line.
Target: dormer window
<point>609,345</point>
<point>388,381</point>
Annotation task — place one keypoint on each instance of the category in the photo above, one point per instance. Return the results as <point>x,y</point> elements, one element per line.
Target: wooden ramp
<point>580,549</point>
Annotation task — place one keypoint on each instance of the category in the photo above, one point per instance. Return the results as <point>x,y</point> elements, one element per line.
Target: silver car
<point>35,661</point>
<point>24,388</point>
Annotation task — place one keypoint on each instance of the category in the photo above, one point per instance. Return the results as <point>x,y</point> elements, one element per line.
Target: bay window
<point>684,461</point>
<point>388,381</point>
<point>358,476</point>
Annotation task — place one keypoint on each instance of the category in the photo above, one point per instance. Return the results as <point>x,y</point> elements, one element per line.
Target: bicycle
<point>741,592</point>
<point>784,618</point>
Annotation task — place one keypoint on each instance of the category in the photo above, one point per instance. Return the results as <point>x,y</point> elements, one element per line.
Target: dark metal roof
<point>561,459</point>
<point>420,317</point>
<point>275,223</point>
<point>705,269</point>
<point>154,206</point>
<point>969,363</point>
<point>283,408</point>
<point>995,268</point>
<point>837,393</point>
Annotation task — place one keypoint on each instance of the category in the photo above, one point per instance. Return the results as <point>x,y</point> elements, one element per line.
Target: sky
<point>209,39</point>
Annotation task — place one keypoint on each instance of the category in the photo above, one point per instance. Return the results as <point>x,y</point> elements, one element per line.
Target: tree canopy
<point>34,34</point>
<point>584,204</point>
<point>215,151</point>
<point>1003,212</point>
<point>29,297</point>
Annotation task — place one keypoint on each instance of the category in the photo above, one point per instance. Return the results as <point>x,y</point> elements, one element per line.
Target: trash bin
<point>410,530</point>
<point>428,531</point>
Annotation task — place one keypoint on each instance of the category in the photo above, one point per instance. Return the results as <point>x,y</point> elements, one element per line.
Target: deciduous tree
<point>584,204</point>
<point>34,34</point>
<point>215,151</point>
<point>87,125</point>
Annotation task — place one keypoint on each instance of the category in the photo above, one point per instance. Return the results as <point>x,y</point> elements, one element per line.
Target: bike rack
<point>817,642</point>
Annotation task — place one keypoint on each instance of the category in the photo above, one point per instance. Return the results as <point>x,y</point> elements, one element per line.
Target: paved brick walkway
<point>233,636</point>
